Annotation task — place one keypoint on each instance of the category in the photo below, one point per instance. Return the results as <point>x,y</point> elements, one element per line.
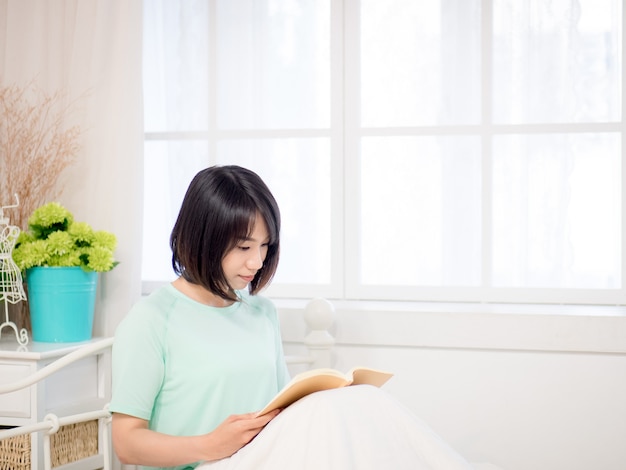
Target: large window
<point>458,150</point>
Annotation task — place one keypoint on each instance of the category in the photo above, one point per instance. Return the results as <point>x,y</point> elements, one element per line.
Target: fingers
<point>249,422</point>
<point>266,418</point>
<point>236,431</point>
<point>259,423</point>
<point>254,419</point>
<point>256,424</point>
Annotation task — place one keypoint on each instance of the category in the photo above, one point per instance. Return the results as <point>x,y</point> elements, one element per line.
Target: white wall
<point>522,387</point>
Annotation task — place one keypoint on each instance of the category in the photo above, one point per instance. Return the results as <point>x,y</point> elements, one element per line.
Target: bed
<point>70,440</point>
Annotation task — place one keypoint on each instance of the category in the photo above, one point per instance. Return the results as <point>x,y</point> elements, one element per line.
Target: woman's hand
<point>135,444</point>
<point>235,432</point>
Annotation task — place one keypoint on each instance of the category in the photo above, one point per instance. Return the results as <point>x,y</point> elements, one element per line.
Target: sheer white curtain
<point>91,49</point>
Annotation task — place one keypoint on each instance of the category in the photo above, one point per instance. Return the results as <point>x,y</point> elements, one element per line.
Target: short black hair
<point>219,209</point>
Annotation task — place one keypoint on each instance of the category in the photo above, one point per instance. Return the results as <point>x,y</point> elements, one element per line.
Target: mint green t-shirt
<point>185,367</point>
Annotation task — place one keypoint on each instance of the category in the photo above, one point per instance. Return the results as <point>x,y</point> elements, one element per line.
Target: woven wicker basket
<point>71,443</point>
<point>15,453</point>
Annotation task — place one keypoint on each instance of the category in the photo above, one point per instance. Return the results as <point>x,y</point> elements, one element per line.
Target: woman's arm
<point>135,444</point>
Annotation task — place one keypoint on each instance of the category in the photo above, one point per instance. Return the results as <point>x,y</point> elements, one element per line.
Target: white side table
<point>79,387</point>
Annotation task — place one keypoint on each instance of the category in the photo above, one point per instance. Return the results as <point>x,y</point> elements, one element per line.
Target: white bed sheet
<point>358,427</point>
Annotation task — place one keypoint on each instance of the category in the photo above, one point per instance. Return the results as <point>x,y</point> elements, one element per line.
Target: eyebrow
<point>250,239</point>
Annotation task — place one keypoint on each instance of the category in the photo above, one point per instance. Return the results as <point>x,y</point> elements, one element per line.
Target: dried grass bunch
<point>36,146</point>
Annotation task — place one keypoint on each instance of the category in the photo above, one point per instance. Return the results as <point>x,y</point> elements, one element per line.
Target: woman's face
<point>241,264</point>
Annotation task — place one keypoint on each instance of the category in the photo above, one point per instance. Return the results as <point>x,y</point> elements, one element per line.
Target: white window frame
<point>486,130</point>
<point>345,134</point>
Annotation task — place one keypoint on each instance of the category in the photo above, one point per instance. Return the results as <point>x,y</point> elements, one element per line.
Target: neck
<point>200,294</point>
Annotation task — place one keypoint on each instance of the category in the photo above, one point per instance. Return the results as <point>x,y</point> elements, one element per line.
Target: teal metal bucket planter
<point>62,303</point>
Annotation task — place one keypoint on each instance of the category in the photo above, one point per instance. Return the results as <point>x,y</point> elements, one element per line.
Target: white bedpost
<point>319,315</point>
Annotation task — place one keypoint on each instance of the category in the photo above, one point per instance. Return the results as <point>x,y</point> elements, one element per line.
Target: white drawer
<point>15,404</point>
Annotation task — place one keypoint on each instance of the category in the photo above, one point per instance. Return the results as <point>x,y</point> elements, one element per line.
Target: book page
<point>303,385</point>
<point>365,375</point>
<point>317,380</point>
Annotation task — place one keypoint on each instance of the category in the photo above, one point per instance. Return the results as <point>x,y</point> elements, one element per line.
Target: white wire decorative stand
<point>11,283</point>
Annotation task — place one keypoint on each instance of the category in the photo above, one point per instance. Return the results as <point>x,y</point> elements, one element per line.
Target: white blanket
<point>358,427</point>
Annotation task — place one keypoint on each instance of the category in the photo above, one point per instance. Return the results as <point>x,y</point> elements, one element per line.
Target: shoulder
<point>149,315</point>
<point>157,303</point>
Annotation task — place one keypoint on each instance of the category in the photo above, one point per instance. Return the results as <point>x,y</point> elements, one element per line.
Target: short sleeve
<point>136,382</point>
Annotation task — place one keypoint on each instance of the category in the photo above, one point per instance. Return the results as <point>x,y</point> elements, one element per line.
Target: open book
<point>316,380</point>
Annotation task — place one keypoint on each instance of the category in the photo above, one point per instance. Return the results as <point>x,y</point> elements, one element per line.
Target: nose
<point>255,260</point>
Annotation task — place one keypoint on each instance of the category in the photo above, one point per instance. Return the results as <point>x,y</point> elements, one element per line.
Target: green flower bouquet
<point>55,239</point>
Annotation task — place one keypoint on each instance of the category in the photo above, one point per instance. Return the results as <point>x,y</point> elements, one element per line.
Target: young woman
<point>193,361</point>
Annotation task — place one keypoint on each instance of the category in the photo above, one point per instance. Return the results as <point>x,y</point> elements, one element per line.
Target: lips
<point>247,279</point>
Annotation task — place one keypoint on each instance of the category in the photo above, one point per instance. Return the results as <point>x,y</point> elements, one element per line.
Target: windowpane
<point>297,171</point>
<point>420,211</point>
<point>172,165</point>
<point>557,61</point>
<point>273,62</point>
<point>175,66</point>
<point>420,62</point>
<point>556,211</point>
